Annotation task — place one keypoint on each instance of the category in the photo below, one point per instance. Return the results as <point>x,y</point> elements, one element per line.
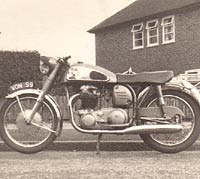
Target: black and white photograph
<point>96,89</point>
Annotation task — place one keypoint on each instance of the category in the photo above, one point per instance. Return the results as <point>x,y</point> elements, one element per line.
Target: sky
<point>54,27</point>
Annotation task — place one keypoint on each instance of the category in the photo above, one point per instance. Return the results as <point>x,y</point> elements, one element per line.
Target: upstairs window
<point>168,29</point>
<point>152,33</point>
<point>138,36</point>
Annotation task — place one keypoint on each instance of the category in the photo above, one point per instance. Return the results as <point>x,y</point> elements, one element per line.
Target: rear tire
<point>23,137</point>
<point>173,143</point>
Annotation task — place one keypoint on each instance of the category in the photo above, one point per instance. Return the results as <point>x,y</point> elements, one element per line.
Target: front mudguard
<point>49,98</point>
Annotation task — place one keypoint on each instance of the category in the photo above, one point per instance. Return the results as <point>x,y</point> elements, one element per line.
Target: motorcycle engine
<point>104,111</point>
<point>102,118</point>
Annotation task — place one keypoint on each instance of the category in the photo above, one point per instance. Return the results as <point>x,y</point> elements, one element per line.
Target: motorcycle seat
<point>157,77</point>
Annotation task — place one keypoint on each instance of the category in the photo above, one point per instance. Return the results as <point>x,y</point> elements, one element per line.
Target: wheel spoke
<point>43,127</point>
<point>20,106</point>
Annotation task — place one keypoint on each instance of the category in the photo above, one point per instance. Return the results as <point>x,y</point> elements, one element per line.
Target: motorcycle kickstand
<point>98,144</point>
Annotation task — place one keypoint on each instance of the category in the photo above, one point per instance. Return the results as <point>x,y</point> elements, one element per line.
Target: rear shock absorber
<point>161,100</point>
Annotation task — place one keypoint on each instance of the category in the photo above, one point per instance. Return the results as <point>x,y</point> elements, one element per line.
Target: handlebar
<point>64,59</point>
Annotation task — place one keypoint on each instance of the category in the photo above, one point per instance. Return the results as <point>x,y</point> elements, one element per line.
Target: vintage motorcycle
<point>162,109</point>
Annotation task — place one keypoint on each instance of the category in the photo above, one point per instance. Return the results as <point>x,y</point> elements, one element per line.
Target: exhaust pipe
<point>153,129</point>
<point>142,129</point>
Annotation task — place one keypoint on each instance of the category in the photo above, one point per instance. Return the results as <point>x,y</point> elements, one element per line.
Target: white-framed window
<point>168,29</point>
<point>152,33</point>
<point>138,36</point>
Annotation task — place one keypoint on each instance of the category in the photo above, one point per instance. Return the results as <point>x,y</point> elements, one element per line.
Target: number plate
<point>22,85</point>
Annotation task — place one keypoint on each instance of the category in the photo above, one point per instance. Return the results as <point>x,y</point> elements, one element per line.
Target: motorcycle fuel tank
<point>85,72</point>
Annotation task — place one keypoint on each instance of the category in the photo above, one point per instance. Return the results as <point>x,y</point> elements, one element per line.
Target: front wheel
<point>176,142</point>
<point>23,136</point>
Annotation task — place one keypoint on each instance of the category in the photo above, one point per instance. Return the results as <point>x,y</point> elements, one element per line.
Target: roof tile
<point>140,9</point>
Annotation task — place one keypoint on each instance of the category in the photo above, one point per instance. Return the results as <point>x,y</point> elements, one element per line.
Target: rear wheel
<point>176,142</point>
<point>26,137</point>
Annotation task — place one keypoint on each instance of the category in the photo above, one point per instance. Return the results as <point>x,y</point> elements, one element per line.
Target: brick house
<point>150,35</point>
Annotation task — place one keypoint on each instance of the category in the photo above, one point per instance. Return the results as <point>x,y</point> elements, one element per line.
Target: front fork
<point>45,89</point>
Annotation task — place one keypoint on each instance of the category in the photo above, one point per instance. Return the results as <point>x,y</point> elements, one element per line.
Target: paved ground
<point>73,156</point>
<point>88,165</point>
<point>71,140</point>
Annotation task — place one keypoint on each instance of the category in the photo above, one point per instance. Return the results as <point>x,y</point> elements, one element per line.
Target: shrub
<point>17,67</point>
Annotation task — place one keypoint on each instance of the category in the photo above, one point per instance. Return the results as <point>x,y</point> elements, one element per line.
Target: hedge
<point>18,66</point>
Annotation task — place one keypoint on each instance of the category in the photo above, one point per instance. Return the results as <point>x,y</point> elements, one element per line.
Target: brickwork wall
<point>114,46</point>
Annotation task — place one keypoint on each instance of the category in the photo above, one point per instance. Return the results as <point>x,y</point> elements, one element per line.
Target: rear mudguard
<point>184,86</point>
<point>49,98</point>
<point>176,84</point>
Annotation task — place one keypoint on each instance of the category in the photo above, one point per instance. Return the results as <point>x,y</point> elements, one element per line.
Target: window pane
<point>167,20</point>
<point>137,27</point>
<point>153,40</point>
<point>169,37</point>
<point>168,29</point>
<point>152,24</point>
<point>138,43</point>
<point>138,35</point>
<point>153,32</point>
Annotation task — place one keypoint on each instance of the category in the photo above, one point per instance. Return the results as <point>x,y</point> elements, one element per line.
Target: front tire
<point>24,137</point>
<point>173,143</point>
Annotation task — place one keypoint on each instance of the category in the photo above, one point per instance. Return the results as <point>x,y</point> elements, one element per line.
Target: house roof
<point>142,8</point>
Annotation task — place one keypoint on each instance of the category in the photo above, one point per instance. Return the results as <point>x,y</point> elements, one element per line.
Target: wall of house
<point>114,46</point>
